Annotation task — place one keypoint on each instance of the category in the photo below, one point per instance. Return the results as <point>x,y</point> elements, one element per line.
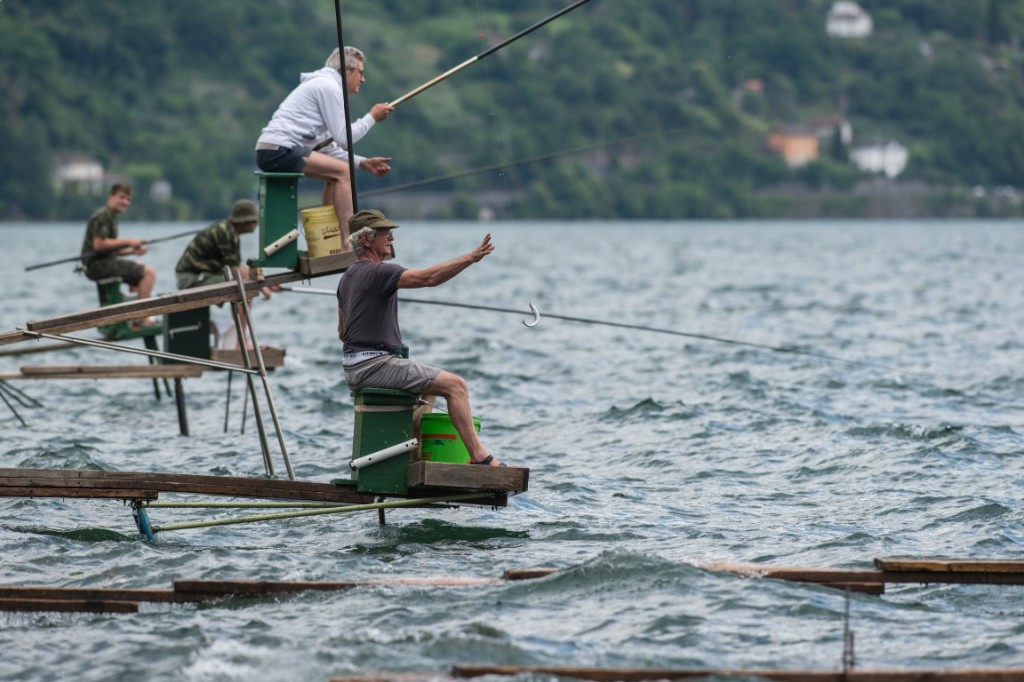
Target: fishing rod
<point>499,166</point>
<point>450,72</point>
<point>535,313</point>
<point>343,71</point>
<point>93,254</point>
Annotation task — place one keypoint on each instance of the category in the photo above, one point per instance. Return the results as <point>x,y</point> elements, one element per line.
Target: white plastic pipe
<point>381,455</point>
<point>281,243</point>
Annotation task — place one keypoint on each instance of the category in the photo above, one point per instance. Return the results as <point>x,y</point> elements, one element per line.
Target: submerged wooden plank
<point>227,588</point>
<point>641,674</point>
<point>467,477</point>
<point>528,573</point>
<point>68,606</point>
<point>633,674</point>
<point>951,565</point>
<point>796,573</point>
<point>104,594</point>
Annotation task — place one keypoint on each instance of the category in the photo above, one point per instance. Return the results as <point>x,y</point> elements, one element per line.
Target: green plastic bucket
<point>441,443</point>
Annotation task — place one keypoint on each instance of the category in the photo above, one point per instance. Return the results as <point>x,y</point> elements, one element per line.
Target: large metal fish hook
<point>536,317</point>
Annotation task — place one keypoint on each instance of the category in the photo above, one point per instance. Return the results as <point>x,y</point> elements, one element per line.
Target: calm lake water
<point>648,453</point>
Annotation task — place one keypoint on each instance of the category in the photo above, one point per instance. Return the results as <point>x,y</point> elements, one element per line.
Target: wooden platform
<point>147,486</point>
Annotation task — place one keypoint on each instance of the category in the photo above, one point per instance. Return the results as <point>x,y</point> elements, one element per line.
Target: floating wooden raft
<point>147,486</point>
<point>636,674</point>
<point>185,299</point>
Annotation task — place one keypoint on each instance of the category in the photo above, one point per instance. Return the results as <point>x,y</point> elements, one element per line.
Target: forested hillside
<point>671,101</point>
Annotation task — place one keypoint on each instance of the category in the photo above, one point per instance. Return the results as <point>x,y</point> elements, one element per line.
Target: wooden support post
<point>179,398</point>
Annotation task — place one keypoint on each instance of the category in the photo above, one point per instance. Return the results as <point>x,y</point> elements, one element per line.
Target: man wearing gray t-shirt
<point>368,324</point>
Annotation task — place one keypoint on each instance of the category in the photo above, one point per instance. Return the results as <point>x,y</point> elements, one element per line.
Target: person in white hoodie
<point>307,132</point>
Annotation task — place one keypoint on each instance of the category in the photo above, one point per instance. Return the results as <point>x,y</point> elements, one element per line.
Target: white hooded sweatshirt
<point>314,112</point>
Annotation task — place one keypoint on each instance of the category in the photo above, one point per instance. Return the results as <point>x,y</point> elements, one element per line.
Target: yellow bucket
<point>323,236</point>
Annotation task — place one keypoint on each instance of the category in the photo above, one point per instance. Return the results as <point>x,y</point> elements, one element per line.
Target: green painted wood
<point>383,419</point>
<point>279,215</point>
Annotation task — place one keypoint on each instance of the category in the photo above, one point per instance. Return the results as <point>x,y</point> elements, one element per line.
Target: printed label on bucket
<point>441,443</point>
<point>322,232</point>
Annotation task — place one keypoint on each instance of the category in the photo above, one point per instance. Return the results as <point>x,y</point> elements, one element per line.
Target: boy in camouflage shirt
<point>102,247</point>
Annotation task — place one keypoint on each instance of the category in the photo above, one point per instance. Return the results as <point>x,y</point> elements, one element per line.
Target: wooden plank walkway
<point>175,301</point>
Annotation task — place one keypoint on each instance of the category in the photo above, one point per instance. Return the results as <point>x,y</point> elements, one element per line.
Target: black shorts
<point>282,159</point>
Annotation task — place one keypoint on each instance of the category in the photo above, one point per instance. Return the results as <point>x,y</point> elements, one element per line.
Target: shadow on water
<point>437,533</point>
<point>78,534</point>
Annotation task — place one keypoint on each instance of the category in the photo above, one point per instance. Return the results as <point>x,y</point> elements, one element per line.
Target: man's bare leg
<point>337,188</point>
<point>453,389</point>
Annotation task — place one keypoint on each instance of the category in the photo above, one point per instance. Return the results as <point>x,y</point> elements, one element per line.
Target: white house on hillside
<point>889,158</point>
<point>81,172</point>
<point>848,20</point>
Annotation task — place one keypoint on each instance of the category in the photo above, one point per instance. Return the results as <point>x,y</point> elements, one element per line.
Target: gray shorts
<point>391,371</point>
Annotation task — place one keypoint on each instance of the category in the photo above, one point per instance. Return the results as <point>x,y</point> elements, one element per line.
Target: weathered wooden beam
<point>467,477</point>
<point>109,372</point>
<point>272,357</point>
<point>68,606</point>
<point>84,493</point>
<point>60,479</point>
<point>326,265</point>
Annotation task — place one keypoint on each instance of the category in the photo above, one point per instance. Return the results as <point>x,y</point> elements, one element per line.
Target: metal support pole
<point>264,446</point>
<point>263,374</point>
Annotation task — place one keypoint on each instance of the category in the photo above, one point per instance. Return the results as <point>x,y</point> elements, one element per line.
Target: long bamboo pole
<point>421,502</point>
<point>472,60</point>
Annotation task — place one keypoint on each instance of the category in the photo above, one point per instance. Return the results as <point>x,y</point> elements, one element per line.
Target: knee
<point>458,387</point>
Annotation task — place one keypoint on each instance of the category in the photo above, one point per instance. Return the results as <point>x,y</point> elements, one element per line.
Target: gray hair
<point>352,58</point>
<point>358,249</point>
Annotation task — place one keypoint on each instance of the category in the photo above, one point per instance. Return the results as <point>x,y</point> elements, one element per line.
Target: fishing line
<point>512,164</point>
<point>621,325</point>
